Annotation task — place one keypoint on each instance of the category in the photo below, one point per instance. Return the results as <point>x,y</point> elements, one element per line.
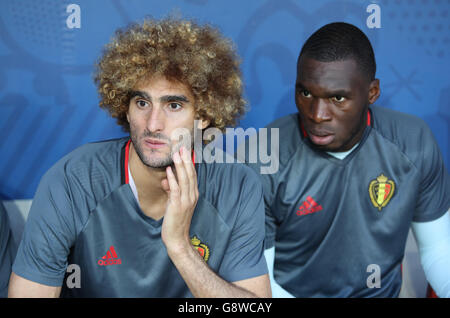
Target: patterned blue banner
<point>49,104</point>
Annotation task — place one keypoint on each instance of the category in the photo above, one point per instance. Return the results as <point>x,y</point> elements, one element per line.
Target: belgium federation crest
<point>381,191</point>
<point>202,249</point>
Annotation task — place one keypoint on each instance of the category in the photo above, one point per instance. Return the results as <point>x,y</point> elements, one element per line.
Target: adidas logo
<point>309,206</point>
<point>110,258</point>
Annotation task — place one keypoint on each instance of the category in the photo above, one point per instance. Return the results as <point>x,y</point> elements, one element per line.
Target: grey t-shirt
<point>85,213</point>
<point>333,221</point>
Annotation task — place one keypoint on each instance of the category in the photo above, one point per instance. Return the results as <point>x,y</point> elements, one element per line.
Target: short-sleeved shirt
<point>6,252</point>
<point>337,224</point>
<point>84,213</point>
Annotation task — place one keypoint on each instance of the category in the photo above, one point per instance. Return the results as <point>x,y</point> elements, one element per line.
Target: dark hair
<point>340,41</point>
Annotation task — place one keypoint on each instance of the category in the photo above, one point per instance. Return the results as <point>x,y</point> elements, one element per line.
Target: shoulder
<point>289,134</point>
<point>410,134</point>
<point>228,186</point>
<point>288,127</point>
<point>221,174</point>
<point>92,164</point>
<point>395,122</point>
<point>397,125</point>
<point>108,151</point>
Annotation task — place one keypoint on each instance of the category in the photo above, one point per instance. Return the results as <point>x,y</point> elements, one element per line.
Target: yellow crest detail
<point>202,249</point>
<point>381,191</point>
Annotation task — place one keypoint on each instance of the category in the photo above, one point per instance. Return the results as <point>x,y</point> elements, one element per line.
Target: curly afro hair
<point>197,56</point>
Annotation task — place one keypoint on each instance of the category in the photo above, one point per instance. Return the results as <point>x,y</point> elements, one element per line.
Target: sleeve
<point>6,252</point>
<point>244,256</point>
<point>49,232</point>
<point>434,194</point>
<point>277,290</point>
<point>268,181</point>
<point>433,240</point>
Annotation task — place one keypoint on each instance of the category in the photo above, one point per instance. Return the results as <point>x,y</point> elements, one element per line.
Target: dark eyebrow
<point>329,94</point>
<point>299,85</point>
<point>141,94</point>
<point>342,93</point>
<point>174,98</point>
<point>163,99</point>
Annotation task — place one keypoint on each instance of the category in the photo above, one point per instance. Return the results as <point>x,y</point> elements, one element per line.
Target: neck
<point>147,179</point>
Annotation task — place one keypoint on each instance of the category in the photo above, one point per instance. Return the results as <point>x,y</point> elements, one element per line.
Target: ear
<point>374,91</point>
<point>203,123</point>
<point>128,117</point>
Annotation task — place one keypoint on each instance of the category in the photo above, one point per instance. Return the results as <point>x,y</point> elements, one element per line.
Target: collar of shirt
<point>132,184</point>
<point>342,155</point>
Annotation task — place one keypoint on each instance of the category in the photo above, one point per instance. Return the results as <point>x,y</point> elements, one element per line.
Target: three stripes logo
<point>110,258</point>
<point>309,206</point>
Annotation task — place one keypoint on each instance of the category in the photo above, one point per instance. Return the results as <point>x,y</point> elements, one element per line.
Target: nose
<point>155,122</point>
<point>319,111</point>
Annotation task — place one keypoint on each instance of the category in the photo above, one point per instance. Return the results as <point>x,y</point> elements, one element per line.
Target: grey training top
<point>335,222</point>
<point>85,213</point>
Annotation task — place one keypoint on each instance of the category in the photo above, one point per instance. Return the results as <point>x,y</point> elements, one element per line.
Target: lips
<point>321,137</point>
<point>154,143</point>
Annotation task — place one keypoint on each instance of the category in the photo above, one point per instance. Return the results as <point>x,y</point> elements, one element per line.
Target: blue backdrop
<point>48,103</point>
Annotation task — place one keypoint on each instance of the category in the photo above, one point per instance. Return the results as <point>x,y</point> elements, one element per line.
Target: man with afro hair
<point>135,214</point>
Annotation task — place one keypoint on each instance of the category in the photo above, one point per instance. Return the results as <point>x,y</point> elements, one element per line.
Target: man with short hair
<point>135,214</point>
<point>353,179</point>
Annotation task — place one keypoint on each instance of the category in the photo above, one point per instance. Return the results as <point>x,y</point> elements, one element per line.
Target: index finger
<point>182,174</point>
<point>190,169</point>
